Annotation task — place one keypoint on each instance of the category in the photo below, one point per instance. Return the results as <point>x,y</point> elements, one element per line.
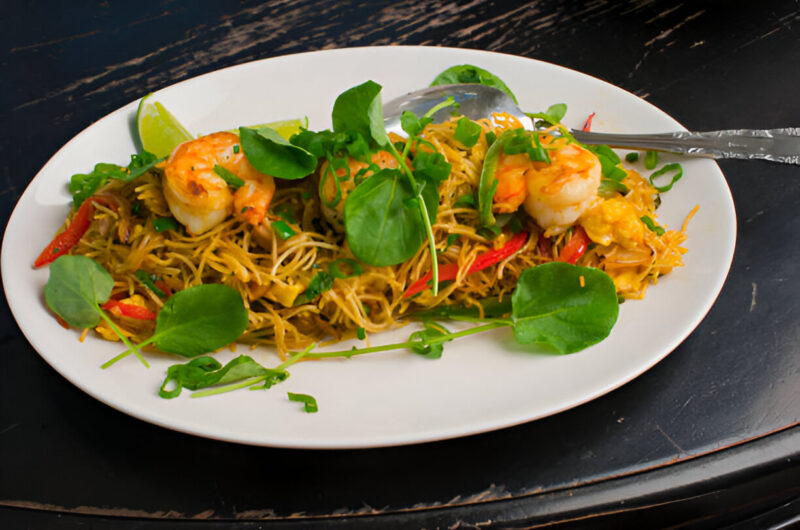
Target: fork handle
<point>776,145</point>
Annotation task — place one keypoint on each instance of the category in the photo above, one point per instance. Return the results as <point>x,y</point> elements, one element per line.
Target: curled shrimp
<point>200,198</point>
<point>337,182</point>
<point>554,194</point>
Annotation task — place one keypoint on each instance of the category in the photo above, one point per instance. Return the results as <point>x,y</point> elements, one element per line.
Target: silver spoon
<point>479,101</point>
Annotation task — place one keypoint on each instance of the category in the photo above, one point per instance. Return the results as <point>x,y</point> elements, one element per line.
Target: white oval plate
<point>482,383</point>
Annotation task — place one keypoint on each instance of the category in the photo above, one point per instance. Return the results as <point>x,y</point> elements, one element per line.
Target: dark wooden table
<point>708,437</point>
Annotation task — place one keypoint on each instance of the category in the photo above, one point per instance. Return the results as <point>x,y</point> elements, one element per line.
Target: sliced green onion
<point>666,169</point>
<point>309,403</point>
<point>355,268</point>
<point>650,159</point>
<point>148,281</point>
<point>165,223</point>
<point>228,176</point>
<point>609,187</point>
<point>361,333</point>
<point>466,200</point>
<point>283,230</point>
<point>649,223</point>
<point>633,156</point>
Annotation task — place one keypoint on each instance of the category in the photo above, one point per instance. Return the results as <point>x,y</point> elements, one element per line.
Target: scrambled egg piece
<point>614,221</point>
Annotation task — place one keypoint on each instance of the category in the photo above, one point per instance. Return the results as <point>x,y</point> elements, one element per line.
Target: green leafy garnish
<point>359,110</point>
<point>421,340</point>
<point>75,289</point>
<point>677,168</point>
<point>467,132</point>
<point>553,306</point>
<point>271,154</point>
<point>82,186</point>
<point>204,372</point>
<point>649,223</point>
<point>413,125</point>
<point>466,73</point>
<point>383,225</point>
<point>553,115</point>
<point>197,320</point>
<point>309,403</point>
<point>633,156</point>
<point>228,176</point>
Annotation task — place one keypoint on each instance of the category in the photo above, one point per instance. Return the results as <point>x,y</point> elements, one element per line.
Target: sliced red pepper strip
<point>575,247</point>
<point>121,309</point>
<point>449,271</point>
<point>587,125</point>
<point>67,239</point>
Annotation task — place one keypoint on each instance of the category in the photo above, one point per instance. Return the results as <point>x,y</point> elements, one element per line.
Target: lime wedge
<point>286,128</point>
<point>159,131</point>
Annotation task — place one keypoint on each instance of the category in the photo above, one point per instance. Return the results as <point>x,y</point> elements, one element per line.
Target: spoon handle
<point>776,145</point>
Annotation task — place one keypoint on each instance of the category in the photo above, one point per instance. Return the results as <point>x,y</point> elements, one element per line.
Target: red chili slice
<point>121,309</point>
<point>587,125</point>
<point>449,271</point>
<point>67,239</point>
<point>575,247</point>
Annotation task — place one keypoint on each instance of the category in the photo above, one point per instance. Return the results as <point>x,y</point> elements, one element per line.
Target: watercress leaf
<point>550,306</point>
<point>82,186</point>
<point>467,132</point>
<point>359,109</point>
<point>553,115</point>
<point>410,123</point>
<point>382,225</point>
<point>321,282</point>
<point>199,320</point>
<point>205,371</point>
<point>467,73</point>
<point>488,183</point>
<point>141,164</point>
<point>421,338</point>
<point>431,166</point>
<point>75,288</point>
<point>271,154</point>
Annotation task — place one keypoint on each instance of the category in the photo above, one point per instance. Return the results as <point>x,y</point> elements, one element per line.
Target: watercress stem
<point>425,217</point>
<point>388,347</point>
<point>131,347</point>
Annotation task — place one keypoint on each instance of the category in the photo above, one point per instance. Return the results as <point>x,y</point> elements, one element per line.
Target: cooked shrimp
<point>200,198</point>
<point>554,194</point>
<point>334,190</point>
<point>559,192</point>
<point>511,182</point>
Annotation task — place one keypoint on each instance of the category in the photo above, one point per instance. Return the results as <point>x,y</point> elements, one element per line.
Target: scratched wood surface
<point>733,382</point>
